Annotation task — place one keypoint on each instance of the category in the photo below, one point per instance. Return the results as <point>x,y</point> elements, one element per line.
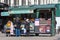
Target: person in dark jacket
<point>27,26</point>
<point>17,28</point>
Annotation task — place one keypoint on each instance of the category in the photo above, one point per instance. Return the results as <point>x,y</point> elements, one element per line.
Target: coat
<point>12,28</point>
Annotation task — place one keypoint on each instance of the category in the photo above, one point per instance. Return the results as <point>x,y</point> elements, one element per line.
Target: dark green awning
<point>58,10</point>
<point>44,6</point>
<point>28,9</point>
<point>32,7</point>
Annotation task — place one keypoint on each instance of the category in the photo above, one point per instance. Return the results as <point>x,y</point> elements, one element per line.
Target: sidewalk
<point>3,37</point>
<point>2,34</point>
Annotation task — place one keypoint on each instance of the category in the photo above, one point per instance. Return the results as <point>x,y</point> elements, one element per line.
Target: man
<point>27,25</point>
<point>18,23</point>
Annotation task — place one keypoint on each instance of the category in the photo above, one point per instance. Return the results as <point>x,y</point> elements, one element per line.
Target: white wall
<point>26,2</point>
<point>41,1</point>
<point>54,1</point>
<point>36,2</point>
<point>2,1</point>
<point>20,2</point>
<point>12,2</point>
<point>32,2</point>
<point>58,22</point>
<point>44,1</point>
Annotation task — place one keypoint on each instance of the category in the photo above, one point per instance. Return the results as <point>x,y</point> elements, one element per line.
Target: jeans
<point>17,32</point>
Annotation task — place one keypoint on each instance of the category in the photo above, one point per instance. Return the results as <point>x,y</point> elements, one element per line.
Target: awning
<point>44,6</point>
<point>5,14</point>
<point>58,10</point>
<point>28,9</point>
<point>21,8</point>
<point>16,12</point>
<point>32,7</point>
<point>21,11</point>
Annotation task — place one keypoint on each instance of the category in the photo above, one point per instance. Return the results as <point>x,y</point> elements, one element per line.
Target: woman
<point>10,27</point>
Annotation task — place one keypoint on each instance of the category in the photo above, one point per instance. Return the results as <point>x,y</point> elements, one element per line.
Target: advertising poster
<point>42,29</point>
<point>48,28</point>
<point>36,22</point>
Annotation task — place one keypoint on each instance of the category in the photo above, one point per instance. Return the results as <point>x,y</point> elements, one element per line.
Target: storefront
<point>42,17</point>
<point>45,19</point>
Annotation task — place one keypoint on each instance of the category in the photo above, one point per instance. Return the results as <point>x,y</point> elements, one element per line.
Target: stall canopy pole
<point>53,22</point>
<point>37,14</point>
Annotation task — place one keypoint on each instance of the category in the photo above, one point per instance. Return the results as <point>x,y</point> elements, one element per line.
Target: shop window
<point>16,2</point>
<point>29,2</point>
<point>35,2</point>
<point>23,2</point>
<point>45,15</point>
<point>39,2</point>
<point>45,21</point>
<point>6,1</point>
<point>9,2</point>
